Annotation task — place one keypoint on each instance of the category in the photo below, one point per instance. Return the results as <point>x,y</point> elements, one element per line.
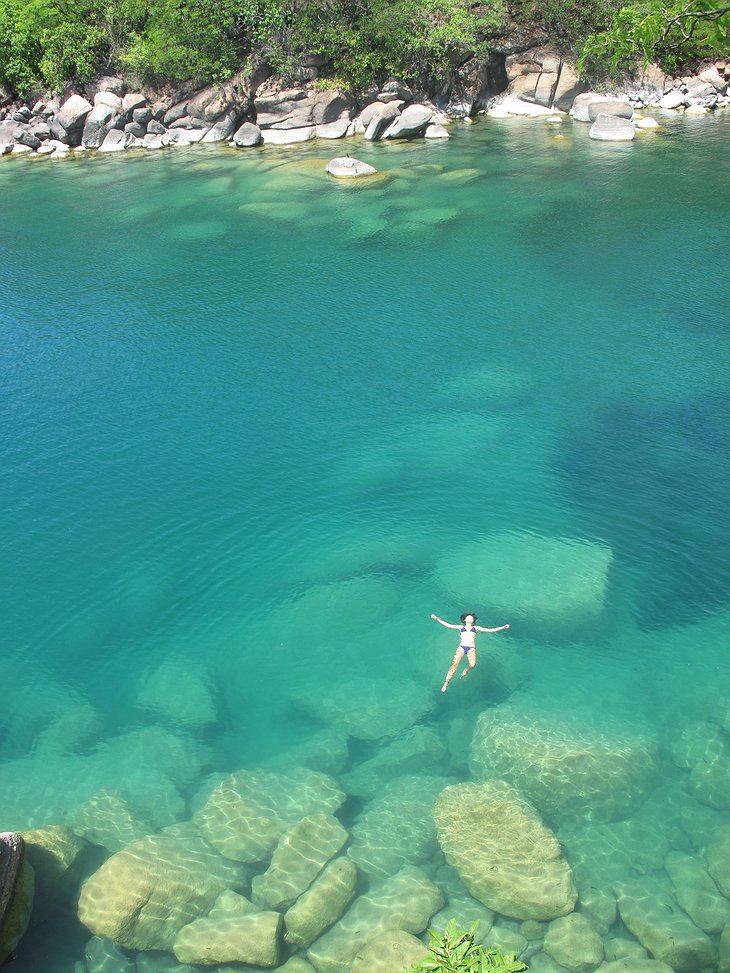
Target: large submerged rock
<point>299,857</point>
<point>547,581</point>
<point>396,828</point>
<point>654,917</point>
<point>563,766</point>
<point>369,709</point>
<point>405,901</point>
<point>230,934</point>
<point>322,904</point>
<point>250,810</point>
<point>142,896</point>
<point>504,854</point>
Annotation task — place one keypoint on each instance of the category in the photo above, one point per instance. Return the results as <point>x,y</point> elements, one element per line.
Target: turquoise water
<point>258,425</point>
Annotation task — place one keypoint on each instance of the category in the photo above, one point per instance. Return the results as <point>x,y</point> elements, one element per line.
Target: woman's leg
<point>458,656</point>
<point>472,657</point>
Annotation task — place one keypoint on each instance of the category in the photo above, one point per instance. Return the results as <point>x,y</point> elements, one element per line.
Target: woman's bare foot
<point>464,673</point>
<point>443,688</point>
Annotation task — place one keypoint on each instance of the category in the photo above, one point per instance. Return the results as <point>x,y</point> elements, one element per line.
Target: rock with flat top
<point>230,937</point>
<point>573,942</point>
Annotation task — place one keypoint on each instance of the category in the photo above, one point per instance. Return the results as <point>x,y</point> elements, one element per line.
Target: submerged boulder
<point>369,709</point>
<point>230,935</point>
<point>504,854</point>
<point>654,917</point>
<point>299,857</point>
<point>58,857</point>
<point>573,942</point>
<point>322,904</point>
<point>142,896</point>
<point>550,582</point>
<point>396,828</point>
<point>563,766</point>
<point>405,901</point>
<point>249,811</point>
<point>696,892</point>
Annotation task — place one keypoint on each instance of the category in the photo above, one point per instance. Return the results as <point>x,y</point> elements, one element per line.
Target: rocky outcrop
<point>16,892</point>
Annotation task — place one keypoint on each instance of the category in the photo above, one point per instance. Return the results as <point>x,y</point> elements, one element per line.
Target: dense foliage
<point>672,32</point>
<point>47,43</point>
<point>456,951</point>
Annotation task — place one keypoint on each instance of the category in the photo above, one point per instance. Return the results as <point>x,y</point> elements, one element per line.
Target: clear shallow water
<point>249,413</point>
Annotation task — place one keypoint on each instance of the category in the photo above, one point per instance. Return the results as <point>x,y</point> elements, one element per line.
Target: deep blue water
<point>265,423</point>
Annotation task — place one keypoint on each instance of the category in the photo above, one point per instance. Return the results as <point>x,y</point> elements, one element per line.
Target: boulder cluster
<point>541,84</point>
<point>109,118</point>
<point>566,838</point>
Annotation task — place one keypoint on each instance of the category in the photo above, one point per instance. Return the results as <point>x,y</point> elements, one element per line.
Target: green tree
<point>49,42</point>
<point>675,34</point>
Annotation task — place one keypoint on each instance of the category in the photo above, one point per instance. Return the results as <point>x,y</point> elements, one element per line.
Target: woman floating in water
<point>467,643</point>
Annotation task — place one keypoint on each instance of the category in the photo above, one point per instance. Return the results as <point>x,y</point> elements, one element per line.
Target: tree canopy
<point>48,43</point>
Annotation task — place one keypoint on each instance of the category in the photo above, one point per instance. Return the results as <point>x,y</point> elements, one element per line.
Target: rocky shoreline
<point>108,117</point>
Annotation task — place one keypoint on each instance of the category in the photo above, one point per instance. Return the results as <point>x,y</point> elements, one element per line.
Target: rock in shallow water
<point>299,857</point>
<point>346,168</point>
<point>406,901</point>
<point>249,811</point>
<point>612,128</point>
<point>564,766</point>
<point>654,917</point>
<point>322,904</point>
<point>142,896</point>
<point>504,854</point>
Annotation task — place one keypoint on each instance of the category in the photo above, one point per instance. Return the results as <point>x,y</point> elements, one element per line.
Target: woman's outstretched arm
<point>445,624</point>
<point>500,629</point>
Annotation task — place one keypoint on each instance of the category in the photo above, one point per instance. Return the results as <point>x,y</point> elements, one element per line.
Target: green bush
<point>456,951</point>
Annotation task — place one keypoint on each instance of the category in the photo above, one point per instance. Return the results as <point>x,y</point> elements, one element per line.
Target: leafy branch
<point>456,951</point>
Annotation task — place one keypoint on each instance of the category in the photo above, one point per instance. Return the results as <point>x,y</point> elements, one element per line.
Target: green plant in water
<point>456,951</point>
